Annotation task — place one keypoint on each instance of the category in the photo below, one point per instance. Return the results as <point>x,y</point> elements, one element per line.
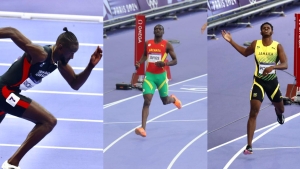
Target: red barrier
<point>140,22</point>
<point>297,50</point>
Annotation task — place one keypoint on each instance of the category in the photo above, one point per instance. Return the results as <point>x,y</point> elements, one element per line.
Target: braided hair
<point>67,38</point>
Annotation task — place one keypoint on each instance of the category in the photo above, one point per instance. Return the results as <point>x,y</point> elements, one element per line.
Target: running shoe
<point>248,150</point>
<point>177,102</point>
<point>140,131</point>
<point>5,165</point>
<point>280,118</point>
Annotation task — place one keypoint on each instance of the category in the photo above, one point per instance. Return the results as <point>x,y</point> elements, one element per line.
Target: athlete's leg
<point>251,125</point>
<point>256,99</point>
<point>145,111</point>
<point>163,88</point>
<point>44,121</point>
<point>148,91</point>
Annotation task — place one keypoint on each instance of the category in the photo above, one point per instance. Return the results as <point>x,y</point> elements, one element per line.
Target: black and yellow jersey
<point>265,56</point>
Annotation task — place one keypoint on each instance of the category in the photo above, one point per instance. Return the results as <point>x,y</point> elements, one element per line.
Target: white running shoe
<point>5,165</point>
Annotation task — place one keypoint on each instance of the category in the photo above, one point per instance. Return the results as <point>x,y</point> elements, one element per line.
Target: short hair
<point>267,24</point>
<point>66,38</point>
<point>159,25</point>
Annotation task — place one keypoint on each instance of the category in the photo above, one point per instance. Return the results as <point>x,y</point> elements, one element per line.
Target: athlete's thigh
<point>162,85</point>
<point>148,84</point>
<point>257,92</point>
<point>273,91</point>
<point>21,106</point>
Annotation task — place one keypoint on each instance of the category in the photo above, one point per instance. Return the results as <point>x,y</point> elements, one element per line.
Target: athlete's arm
<point>282,57</point>
<point>172,53</point>
<point>77,80</point>
<point>243,51</point>
<point>143,58</point>
<point>283,61</point>
<point>35,53</point>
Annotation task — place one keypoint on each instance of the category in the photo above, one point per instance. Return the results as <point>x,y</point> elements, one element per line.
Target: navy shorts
<point>12,102</point>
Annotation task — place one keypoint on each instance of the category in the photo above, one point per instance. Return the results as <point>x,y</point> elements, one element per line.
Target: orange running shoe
<point>177,102</point>
<point>140,131</point>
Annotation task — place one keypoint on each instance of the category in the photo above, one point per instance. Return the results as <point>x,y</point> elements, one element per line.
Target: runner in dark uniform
<point>28,71</point>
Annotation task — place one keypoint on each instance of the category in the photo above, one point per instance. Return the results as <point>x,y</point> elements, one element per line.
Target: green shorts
<point>153,81</point>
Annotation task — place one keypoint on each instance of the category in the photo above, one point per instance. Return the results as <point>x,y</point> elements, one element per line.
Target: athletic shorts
<point>12,102</point>
<point>271,88</point>
<point>156,81</point>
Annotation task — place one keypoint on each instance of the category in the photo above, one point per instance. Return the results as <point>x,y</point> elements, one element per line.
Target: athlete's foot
<point>280,117</point>
<point>177,102</point>
<point>5,165</point>
<point>140,131</point>
<point>248,150</point>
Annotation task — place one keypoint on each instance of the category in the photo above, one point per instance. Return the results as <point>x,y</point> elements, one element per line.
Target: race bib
<point>12,99</point>
<point>28,84</point>
<point>154,57</point>
<point>262,67</point>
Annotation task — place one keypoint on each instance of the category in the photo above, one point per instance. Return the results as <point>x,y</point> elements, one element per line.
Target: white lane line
<point>26,15</point>
<point>183,149</point>
<point>165,121</point>
<point>59,92</point>
<point>224,144</point>
<point>54,147</point>
<point>258,137</point>
<point>181,91</point>
<point>64,119</point>
<point>275,148</point>
<point>50,42</point>
<point>75,68</point>
<point>124,135</point>
<point>132,97</point>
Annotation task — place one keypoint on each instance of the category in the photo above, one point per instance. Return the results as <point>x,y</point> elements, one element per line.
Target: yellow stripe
<point>161,85</point>
<point>164,57</point>
<point>272,96</point>
<point>261,88</point>
<point>150,85</point>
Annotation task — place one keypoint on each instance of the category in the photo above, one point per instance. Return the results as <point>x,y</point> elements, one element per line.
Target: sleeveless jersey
<point>265,56</point>
<point>156,52</point>
<point>22,75</point>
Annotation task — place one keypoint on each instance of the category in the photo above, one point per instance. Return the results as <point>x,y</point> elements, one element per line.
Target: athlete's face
<point>158,31</point>
<point>67,53</point>
<point>266,30</point>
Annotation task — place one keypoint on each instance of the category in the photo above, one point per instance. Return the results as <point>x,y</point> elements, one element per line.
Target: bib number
<point>12,99</point>
<point>154,58</point>
<point>263,66</point>
<point>28,84</point>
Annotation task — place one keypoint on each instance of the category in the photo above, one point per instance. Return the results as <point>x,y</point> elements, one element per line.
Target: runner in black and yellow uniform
<point>155,53</point>
<point>29,70</point>
<point>268,53</point>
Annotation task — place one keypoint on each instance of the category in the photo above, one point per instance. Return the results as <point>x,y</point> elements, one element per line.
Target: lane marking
<point>132,97</point>
<point>165,121</point>
<point>184,148</point>
<point>63,119</point>
<point>59,92</point>
<point>124,135</point>
<point>54,147</point>
<point>51,43</point>
<point>258,137</point>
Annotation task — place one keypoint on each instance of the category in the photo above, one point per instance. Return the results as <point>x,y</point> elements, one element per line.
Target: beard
<point>62,60</point>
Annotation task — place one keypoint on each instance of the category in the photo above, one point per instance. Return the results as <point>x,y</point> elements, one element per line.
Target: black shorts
<point>271,88</point>
<point>12,102</point>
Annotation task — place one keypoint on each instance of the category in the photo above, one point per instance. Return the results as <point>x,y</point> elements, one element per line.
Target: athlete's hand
<point>160,64</point>
<point>96,57</point>
<point>226,36</point>
<point>268,70</point>
<point>137,65</point>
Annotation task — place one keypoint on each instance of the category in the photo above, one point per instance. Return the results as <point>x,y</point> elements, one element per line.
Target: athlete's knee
<point>147,102</point>
<point>280,109</point>
<point>253,112</point>
<point>50,123</point>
